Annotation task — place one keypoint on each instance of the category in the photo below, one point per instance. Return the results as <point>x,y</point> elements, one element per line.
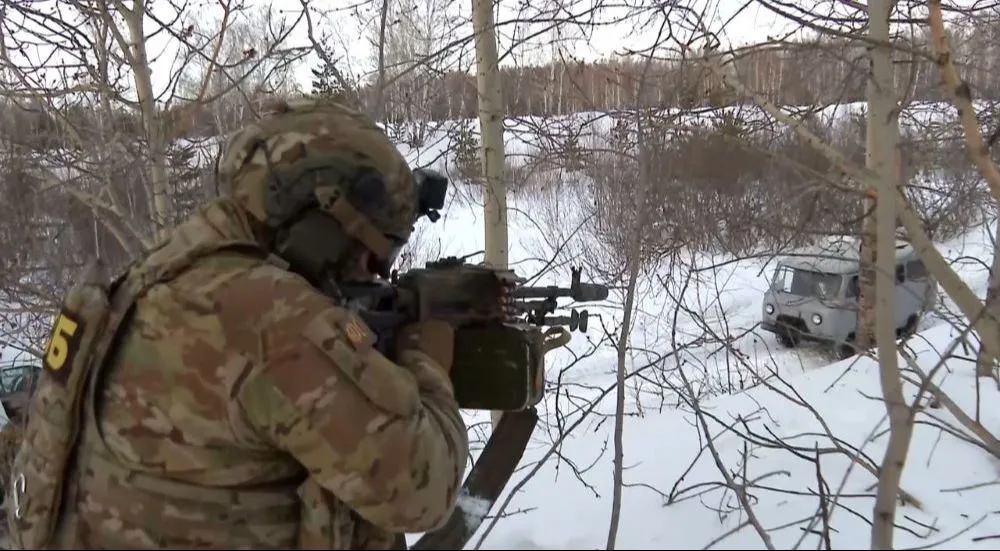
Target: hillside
<point>768,408</point>
<point>677,496</point>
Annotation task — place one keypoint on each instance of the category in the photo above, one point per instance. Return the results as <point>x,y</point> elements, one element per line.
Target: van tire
<point>846,349</point>
<point>788,338</point>
<point>910,328</point>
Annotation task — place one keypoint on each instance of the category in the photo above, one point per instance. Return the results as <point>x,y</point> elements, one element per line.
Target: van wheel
<point>788,338</point>
<point>910,328</point>
<point>846,350</point>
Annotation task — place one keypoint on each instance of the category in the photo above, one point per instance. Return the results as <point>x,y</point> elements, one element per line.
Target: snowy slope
<point>677,500</point>
<point>556,507</point>
<point>676,495</point>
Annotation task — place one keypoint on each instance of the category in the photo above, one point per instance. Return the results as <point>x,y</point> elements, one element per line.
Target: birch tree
<point>491,115</point>
<point>883,138</point>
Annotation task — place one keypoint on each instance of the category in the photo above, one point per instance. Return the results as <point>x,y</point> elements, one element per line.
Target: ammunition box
<point>498,367</point>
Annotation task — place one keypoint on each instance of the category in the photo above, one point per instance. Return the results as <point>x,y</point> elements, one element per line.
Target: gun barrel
<point>590,292</point>
<point>581,292</point>
<point>541,292</point>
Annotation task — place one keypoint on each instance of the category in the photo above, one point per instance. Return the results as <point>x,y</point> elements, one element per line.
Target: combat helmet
<point>322,179</point>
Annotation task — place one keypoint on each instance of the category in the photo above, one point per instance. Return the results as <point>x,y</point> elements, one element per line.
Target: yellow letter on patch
<point>59,343</point>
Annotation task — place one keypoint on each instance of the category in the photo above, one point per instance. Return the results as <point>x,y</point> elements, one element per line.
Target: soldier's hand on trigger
<point>433,337</point>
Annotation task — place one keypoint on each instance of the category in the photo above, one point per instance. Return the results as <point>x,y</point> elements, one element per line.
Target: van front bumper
<point>792,325</point>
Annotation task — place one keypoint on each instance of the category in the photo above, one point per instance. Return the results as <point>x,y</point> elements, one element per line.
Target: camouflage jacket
<point>243,409</point>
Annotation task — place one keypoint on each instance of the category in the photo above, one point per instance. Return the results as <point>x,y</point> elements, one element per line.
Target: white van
<point>813,294</point>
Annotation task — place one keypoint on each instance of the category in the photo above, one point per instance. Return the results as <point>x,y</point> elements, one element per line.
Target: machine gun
<point>499,340</point>
<point>498,357</point>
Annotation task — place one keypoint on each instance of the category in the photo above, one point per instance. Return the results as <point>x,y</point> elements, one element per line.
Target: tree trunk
<point>877,96</point>
<point>984,362</point>
<point>160,202</point>
<point>491,115</point>
<point>865,333</point>
<point>986,325</point>
<point>883,116</point>
<point>619,430</point>
<point>378,105</point>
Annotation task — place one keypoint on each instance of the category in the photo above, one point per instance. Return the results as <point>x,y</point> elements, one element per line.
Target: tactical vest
<point>63,438</point>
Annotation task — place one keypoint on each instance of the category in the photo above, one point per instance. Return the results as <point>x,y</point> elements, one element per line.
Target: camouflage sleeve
<point>386,439</point>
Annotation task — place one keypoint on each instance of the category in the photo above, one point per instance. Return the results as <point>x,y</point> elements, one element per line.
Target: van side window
<point>915,270</point>
<point>900,275</point>
<point>852,287</point>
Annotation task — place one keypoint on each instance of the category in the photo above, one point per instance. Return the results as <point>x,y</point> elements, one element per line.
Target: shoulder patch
<point>64,342</point>
<point>358,334</point>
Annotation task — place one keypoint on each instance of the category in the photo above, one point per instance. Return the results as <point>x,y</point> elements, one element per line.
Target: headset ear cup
<point>368,194</point>
<point>315,246</point>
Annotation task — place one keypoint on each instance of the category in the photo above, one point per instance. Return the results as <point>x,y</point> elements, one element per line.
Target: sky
<point>348,28</point>
<point>737,22</point>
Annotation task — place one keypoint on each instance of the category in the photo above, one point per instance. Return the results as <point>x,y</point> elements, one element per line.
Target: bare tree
<point>892,203</point>
<point>882,149</point>
<point>491,117</point>
<point>107,128</point>
<point>406,40</point>
<point>250,33</point>
<point>959,93</point>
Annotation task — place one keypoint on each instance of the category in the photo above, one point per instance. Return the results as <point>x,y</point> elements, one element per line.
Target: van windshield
<point>806,283</point>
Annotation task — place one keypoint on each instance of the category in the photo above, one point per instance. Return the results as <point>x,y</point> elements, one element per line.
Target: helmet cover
<point>317,129</point>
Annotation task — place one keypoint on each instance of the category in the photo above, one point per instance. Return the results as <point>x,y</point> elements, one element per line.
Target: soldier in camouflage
<point>242,406</point>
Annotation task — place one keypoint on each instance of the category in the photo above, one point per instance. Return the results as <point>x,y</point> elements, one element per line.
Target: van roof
<point>837,255</point>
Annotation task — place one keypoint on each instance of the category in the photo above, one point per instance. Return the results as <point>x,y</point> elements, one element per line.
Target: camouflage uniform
<point>242,408</point>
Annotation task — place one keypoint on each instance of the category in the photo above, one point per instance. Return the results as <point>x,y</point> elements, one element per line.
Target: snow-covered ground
<point>676,495</point>
<point>766,436</point>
